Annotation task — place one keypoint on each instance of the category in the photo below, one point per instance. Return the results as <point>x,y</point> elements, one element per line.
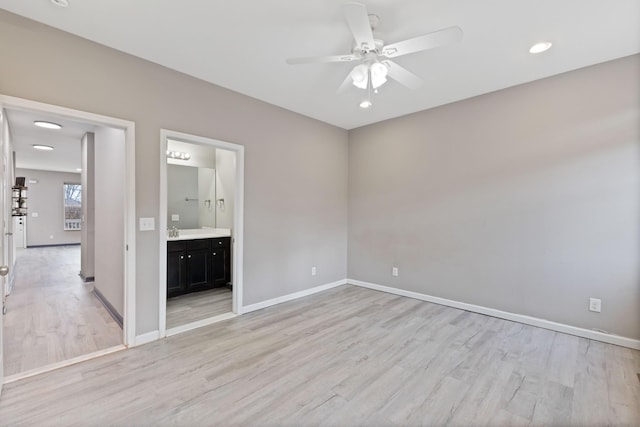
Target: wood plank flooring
<point>195,306</point>
<point>52,315</point>
<point>347,356</point>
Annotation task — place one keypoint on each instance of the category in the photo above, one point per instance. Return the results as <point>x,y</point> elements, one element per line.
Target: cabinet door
<point>176,269</point>
<point>221,256</point>
<point>198,264</point>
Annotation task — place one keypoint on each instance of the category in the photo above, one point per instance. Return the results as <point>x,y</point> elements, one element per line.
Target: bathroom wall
<point>206,197</point>
<point>225,188</point>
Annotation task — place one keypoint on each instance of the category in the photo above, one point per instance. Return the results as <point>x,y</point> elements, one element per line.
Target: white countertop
<point>201,233</point>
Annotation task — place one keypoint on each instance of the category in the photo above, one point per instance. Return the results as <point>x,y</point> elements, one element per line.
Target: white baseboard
<point>145,338</point>
<point>289,297</point>
<point>527,320</point>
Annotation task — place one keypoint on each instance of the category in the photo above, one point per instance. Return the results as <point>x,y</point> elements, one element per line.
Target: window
<point>72,206</point>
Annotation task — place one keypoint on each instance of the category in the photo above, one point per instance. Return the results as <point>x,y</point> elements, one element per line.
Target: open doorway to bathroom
<point>201,211</point>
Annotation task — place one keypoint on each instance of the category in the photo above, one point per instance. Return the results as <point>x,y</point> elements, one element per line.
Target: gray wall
<point>87,251</point>
<point>525,200</point>
<point>295,167</point>
<point>225,187</point>
<point>206,197</point>
<point>46,198</point>
<point>109,150</point>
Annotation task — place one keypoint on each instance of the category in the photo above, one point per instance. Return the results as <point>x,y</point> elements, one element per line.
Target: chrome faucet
<point>173,232</point>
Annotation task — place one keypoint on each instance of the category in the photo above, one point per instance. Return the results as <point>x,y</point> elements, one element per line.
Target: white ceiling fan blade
<point>321,59</point>
<point>358,21</point>
<point>402,75</point>
<point>428,41</point>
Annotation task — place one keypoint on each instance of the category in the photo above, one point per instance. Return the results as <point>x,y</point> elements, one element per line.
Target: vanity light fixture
<point>42,147</point>
<point>540,47</point>
<point>178,155</point>
<point>47,125</point>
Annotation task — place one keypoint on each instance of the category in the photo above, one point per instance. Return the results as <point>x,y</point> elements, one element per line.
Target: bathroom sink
<point>201,233</point>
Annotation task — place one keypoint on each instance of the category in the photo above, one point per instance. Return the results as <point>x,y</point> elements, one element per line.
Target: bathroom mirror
<point>191,198</point>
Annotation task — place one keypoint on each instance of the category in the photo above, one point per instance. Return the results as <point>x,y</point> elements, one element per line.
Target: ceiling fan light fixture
<point>378,74</point>
<point>360,76</point>
<point>540,47</point>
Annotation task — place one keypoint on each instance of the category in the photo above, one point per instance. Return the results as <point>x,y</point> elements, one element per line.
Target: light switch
<point>175,217</point>
<point>147,224</point>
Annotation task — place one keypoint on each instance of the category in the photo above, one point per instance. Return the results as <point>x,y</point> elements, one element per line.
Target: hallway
<point>51,314</point>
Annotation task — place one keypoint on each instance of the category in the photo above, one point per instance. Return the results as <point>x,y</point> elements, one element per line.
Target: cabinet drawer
<point>198,244</point>
<point>175,246</point>
<point>220,242</point>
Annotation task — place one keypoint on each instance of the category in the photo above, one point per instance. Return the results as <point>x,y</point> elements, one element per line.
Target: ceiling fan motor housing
<point>356,50</point>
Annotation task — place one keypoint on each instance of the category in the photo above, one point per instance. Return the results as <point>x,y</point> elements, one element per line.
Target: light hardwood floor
<point>195,306</point>
<point>348,356</point>
<point>51,314</point>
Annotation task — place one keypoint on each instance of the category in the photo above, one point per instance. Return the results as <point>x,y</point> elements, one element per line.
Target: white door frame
<point>129,315</point>
<point>238,229</point>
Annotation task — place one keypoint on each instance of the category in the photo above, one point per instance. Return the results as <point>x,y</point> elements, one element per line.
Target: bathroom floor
<point>195,306</point>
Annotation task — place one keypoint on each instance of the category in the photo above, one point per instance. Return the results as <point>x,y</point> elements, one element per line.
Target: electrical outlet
<point>313,271</point>
<point>595,305</point>
<point>175,217</point>
<point>394,271</point>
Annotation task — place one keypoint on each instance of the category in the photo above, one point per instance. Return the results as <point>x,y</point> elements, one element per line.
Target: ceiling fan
<point>374,56</point>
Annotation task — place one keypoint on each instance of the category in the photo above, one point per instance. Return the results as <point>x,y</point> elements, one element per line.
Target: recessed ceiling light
<point>42,147</point>
<point>365,104</point>
<point>61,3</point>
<point>47,125</point>
<point>540,47</point>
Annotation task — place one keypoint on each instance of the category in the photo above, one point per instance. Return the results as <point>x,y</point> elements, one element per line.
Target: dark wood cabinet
<point>199,264</point>
<point>176,268</point>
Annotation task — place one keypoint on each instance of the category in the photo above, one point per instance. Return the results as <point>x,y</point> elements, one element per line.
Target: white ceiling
<point>242,45</point>
<point>65,157</point>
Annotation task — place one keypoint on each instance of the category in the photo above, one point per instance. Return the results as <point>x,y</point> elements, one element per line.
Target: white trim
<point>237,244</point>
<point>146,338</point>
<point>130,207</point>
<point>520,318</point>
<point>62,364</point>
<point>162,228</point>
<point>129,321</point>
<point>289,297</point>
<point>200,323</point>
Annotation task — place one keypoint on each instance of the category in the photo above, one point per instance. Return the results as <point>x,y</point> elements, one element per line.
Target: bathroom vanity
<point>198,260</point>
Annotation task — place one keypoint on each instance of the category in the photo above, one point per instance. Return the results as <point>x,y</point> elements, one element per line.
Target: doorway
<point>124,253</point>
<point>201,219</point>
